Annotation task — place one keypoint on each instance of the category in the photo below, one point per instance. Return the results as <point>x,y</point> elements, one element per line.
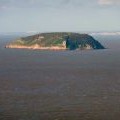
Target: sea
<point>60,85</point>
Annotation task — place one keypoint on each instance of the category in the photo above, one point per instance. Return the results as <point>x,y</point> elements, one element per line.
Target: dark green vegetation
<point>67,40</point>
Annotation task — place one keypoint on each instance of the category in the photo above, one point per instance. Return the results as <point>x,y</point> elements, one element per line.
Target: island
<point>57,41</point>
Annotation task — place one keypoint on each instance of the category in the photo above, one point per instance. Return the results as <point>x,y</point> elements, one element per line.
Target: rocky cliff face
<point>71,41</point>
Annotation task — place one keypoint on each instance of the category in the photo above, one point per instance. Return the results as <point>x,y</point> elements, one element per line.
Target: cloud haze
<point>59,15</point>
<point>108,2</point>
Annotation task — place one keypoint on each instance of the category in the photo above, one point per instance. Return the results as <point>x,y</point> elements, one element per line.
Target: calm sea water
<point>60,85</point>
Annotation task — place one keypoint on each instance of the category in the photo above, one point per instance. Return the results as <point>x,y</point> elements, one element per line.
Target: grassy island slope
<point>57,40</point>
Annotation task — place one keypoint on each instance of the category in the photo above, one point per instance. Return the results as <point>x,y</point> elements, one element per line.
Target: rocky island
<point>57,41</point>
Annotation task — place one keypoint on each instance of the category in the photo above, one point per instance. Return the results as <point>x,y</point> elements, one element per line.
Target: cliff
<point>57,41</point>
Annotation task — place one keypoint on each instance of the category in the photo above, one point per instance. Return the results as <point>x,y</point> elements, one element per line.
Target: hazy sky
<point>59,15</point>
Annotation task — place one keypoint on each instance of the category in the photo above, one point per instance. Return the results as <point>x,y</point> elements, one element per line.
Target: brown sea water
<point>60,85</point>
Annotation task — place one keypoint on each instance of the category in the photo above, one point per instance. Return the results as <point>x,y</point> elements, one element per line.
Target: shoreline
<point>35,47</point>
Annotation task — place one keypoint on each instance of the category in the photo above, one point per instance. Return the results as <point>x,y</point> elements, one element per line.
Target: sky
<point>59,15</point>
